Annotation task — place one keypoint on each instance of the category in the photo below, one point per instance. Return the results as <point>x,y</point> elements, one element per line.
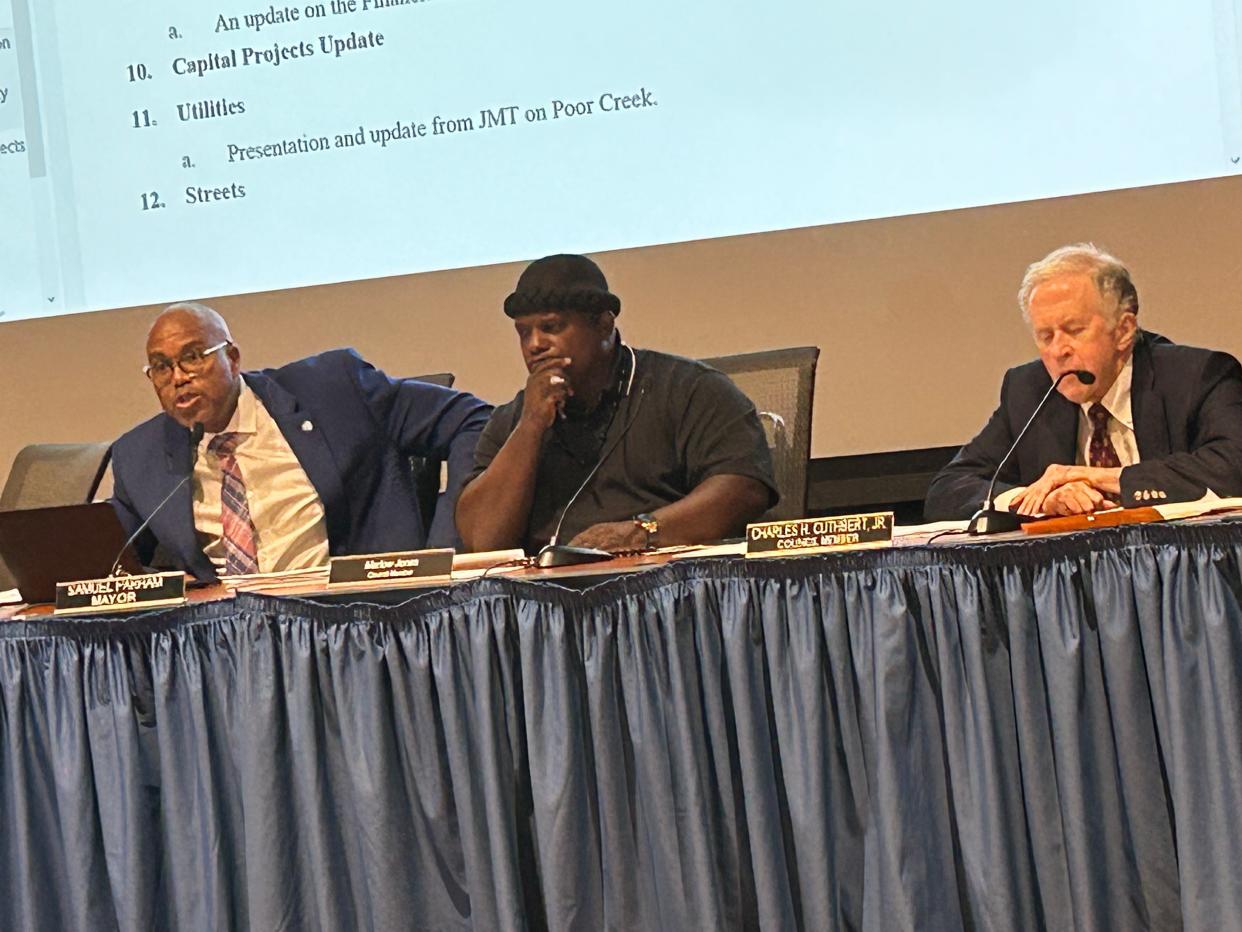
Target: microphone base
<point>559,555</point>
<point>993,521</point>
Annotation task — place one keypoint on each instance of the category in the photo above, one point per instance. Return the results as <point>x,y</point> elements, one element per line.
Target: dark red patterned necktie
<point>1100,452</point>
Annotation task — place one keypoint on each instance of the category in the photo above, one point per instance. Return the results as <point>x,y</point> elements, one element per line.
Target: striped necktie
<point>1100,450</point>
<point>241,553</point>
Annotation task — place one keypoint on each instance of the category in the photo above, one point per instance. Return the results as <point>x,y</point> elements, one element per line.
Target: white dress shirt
<point>288,517</point>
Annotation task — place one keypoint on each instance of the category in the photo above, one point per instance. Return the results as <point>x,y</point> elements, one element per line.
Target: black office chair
<point>47,474</point>
<point>781,383</point>
<point>426,471</point>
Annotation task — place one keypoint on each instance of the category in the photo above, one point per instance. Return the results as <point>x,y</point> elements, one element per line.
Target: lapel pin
<point>307,426</point>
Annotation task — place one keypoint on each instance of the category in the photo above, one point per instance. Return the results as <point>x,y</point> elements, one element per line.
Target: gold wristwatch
<point>649,524</point>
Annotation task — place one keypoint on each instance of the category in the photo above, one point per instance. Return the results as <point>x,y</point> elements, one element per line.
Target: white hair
<point>1109,273</point>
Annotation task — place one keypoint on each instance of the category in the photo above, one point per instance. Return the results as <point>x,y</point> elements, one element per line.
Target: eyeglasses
<point>191,362</point>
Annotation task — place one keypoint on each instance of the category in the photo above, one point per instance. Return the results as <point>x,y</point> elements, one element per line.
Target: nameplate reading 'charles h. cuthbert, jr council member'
<point>819,535</point>
<point>390,567</point>
<point>119,593</point>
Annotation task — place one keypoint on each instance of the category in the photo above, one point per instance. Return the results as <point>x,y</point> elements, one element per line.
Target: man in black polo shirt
<point>682,456</point>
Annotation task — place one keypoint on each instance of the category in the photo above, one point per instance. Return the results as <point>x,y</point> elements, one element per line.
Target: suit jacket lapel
<point>178,461</point>
<point>177,453</point>
<point>1151,427</point>
<point>306,439</point>
<point>1053,438</point>
<point>1058,439</point>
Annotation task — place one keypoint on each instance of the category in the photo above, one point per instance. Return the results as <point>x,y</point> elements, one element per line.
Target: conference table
<point>1025,733</point>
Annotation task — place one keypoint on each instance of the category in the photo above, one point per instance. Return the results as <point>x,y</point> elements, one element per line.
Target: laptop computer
<point>65,543</point>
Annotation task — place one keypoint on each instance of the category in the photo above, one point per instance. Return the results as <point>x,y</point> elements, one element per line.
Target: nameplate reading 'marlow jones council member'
<point>119,593</point>
<point>377,568</point>
<point>819,535</point>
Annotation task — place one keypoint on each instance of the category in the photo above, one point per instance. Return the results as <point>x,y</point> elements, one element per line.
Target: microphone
<point>196,435</point>
<point>556,554</point>
<point>988,520</point>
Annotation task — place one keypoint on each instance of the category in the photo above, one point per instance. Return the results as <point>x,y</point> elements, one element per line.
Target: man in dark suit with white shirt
<point>1161,422</point>
<point>297,464</point>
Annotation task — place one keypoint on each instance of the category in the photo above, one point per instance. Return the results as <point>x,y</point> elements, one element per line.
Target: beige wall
<point>915,315</point>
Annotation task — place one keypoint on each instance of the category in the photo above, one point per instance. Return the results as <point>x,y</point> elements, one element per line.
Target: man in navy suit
<point>1160,423</point>
<point>296,463</point>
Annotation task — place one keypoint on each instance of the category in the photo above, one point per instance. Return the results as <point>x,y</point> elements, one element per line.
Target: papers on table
<point>488,563</point>
<point>936,527</point>
<point>1209,504</point>
<point>735,549</point>
<point>244,580</point>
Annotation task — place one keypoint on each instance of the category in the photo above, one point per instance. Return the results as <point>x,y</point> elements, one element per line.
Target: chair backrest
<point>437,378</point>
<point>426,471</point>
<point>47,474</point>
<point>781,383</point>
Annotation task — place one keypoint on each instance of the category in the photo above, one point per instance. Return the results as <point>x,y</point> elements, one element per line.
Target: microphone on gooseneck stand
<point>556,554</point>
<point>989,520</point>
<point>196,436</point>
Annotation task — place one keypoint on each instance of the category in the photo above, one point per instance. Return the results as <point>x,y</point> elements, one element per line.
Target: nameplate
<point>389,567</point>
<point>119,593</point>
<point>819,535</point>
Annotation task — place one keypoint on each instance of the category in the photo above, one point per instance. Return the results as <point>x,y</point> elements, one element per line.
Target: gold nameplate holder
<point>378,569</point>
<point>819,535</point>
<point>120,594</point>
